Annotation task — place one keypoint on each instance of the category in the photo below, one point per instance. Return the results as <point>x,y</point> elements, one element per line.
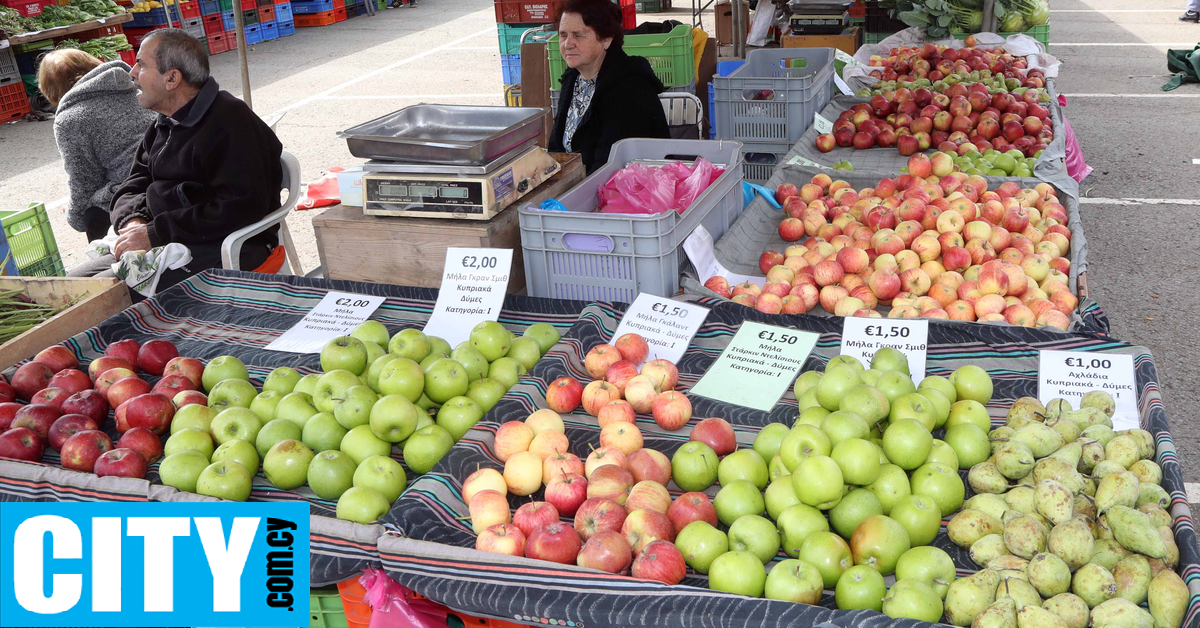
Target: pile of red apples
<point>936,63</point>
<point>946,248</point>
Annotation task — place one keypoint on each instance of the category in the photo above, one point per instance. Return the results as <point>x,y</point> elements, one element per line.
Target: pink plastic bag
<point>1077,168</point>
<point>391,607</point>
<point>689,189</point>
<point>638,189</point>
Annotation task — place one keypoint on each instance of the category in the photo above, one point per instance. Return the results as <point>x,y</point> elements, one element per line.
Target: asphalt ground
<point>1140,140</point>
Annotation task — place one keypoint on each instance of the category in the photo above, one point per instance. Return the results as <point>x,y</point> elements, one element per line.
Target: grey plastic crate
<point>194,26</point>
<point>9,72</point>
<point>791,95</point>
<point>690,88</point>
<point>586,255</point>
<point>761,159</point>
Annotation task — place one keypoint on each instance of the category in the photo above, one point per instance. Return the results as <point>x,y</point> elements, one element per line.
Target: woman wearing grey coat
<point>98,126</point>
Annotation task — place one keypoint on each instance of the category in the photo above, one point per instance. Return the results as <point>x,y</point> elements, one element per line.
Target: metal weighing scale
<point>818,18</point>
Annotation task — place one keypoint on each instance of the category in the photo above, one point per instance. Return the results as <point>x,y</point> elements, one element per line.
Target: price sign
<point>842,86</point>
<point>821,124</point>
<point>668,326</point>
<point>1073,374</point>
<point>337,314</point>
<point>758,366</point>
<point>801,161</point>
<point>699,249</point>
<point>473,285</point>
<point>862,337</point>
<point>844,57</point>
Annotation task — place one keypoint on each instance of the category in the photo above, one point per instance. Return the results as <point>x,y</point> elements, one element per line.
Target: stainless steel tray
<point>445,134</point>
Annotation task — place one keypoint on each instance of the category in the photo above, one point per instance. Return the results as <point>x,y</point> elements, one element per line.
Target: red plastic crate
<point>129,57</point>
<point>217,43</point>
<point>190,8</point>
<point>136,35</point>
<point>27,8</point>
<point>214,25</point>
<point>629,16</point>
<point>14,104</point>
<point>282,1</point>
<point>305,20</point>
<point>266,14</point>
<point>249,5</point>
<point>527,11</point>
<point>339,4</point>
<point>339,14</point>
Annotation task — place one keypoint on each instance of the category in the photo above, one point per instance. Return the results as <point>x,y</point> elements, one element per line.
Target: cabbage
<point>1013,23</point>
<point>1038,16</point>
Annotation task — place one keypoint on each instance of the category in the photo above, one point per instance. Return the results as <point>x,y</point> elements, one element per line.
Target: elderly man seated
<point>207,167</point>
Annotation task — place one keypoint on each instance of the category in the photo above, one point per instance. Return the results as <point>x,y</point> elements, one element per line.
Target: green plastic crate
<point>670,56</point>
<point>325,606</point>
<point>510,37</point>
<point>1041,32</point>
<point>874,38</point>
<point>32,242</point>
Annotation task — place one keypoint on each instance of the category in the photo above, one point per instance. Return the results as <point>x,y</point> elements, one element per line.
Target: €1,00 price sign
<point>1072,374</point>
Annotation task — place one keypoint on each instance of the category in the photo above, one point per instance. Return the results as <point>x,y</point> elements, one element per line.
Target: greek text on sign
<point>1073,374</point>
<point>668,326</point>
<point>758,366</point>
<point>821,124</point>
<point>862,337</point>
<point>337,314</point>
<point>473,285</point>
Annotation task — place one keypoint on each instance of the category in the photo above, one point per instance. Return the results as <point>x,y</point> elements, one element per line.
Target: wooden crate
<point>847,42</point>
<point>101,298</point>
<point>412,251</point>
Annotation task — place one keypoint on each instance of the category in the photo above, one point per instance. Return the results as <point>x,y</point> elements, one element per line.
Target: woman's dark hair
<point>602,16</point>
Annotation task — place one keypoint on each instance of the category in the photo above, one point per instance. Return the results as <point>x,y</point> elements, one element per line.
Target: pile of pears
<point>1068,525</point>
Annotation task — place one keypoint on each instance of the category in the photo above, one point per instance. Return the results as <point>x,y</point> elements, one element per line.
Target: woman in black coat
<point>607,95</point>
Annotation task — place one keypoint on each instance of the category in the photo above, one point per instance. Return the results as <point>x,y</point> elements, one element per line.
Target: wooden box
<point>724,18</point>
<point>412,251</point>
<point>98,299</point>
<point>847,42</point>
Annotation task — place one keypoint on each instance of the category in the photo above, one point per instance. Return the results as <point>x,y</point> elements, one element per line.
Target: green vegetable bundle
<point>941,18</point>
<point>53,16</point>
<point>1015,16</point>
<point>104,48</point>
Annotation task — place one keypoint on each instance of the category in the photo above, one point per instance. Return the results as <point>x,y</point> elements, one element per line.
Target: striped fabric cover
<point>232,313</point>
<point>432,555</point>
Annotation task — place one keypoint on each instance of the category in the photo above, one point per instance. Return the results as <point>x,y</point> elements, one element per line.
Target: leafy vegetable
<point>105,48</point>
<point>1018,15</point>
<point>53,16</point>
<point>940,18</point>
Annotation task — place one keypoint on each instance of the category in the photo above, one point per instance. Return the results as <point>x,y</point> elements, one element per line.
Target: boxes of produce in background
<point>58,307</point>
<point>286,28</point>
<point>27,8</point>
<point>764,102</point>
<point>14,103</point>
<point>31,239</point>
<point>104,48</point>
<point>670,56</point>
<point>526,11</point>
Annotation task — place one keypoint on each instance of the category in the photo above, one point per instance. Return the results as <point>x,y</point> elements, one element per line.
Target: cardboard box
<point>724,14</point>
<point>93,300</point>
<point>847,42</point>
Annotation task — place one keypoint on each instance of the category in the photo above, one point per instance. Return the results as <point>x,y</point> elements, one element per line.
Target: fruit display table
<point>432,553</point>
<point>92,300</point>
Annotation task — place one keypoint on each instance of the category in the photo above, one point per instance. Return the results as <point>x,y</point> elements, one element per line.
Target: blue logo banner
<point>154,564</point>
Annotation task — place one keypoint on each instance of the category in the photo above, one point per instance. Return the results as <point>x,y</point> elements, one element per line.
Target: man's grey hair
<point>178,50</point>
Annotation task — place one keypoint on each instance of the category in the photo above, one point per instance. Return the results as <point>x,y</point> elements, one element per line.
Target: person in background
<point>607,95</point>
<point>97,127</point>
<point>371,6</point>
<point>1192,14</point>
<point>207,167</point>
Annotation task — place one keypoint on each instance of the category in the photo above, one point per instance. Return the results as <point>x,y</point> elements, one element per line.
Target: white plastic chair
<point>231,248</point>
<point>682,109</point>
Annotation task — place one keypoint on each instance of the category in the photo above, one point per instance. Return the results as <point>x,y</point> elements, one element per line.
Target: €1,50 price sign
<point>758,366</point>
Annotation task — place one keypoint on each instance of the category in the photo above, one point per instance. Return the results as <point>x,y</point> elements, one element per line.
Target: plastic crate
<point>135,35</point>
<point>189,8</point>
<point>269,30</point>
<point>31,240</point>
<point>724,68</point>
<point>14,103</point>
<point>510,65</point>
<point>194,26</point>
<point>96,33</point>
<point>250,17</point>
<point>351,11</point>
<point>311,6</point>
<point>129,57</point>
<point>359,9</point>
<point>354,603</point>
<point>584,254</point>
<point>213,24</point>
<point>1041,32</point>
<point>27,8</point>
<point>253,34</point>
<point>877,19</point>
<point>326,609</point>
<point>231,40</point>
<point>653,6</point>
<point>628,14</point>
<point>670,56</point>
<point>286,29</point>
<point>759,160</point>
<point>204,42</point>
<point>283,12</point>
<point>874,38</point>
<point>9,70</point>
<point>148,19</point>
<point>210,7</point>
<point>526,11</point>
<point>288,2</point>
<point>795,94</point>
<point>339,14</point>
<point>510,37</point>
<point>304,20</point>
<point>217,43</point>
<point>227,20</point>
<point>266,14</point>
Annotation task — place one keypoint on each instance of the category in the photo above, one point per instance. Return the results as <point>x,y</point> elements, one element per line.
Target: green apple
<point>308,384</point>
<point>286,463</point>
<point>222,368</point>
<point>322,432</point>
<point>239,451</point>
<point>920,516</point>
<point>445,380</point>
<point>410,343</point>
<point>779,496</point>
<point>701,544</point>
<point>330,474</point>
<point>941,405</point>
<point>361,443</point>
<point>741,573</point>
<point>858,459</point>
<point>333,386</point>
<point>794,580</point>
<point>811,416</point>
<point>801,442</point>
<point>893,384</point>
<point>969,443</point>
<point>402,376</point>
<point>738,499</point>
<point>425,404</point>
<point>754,534</point>
<point>393,418</point>
<point>264,404</point>
<point>235,423</point>
<point>942,452</point>
<point>870,377</point>
<point>376,368</point>
<point>836,382</point>
<point>507,371</point>
<point>297,407</point>
<point>913,599</point>
<point>807,380</point>
<point>818,482</point>
<point>544,333</point>
<point>231,393</point>
<point>526,351</point>
<point>915,406</point>
<point>890,359</point>
<point>798,522</point>
<point>477,366</point>
<point>860,588</point>
<point>743,464</point>
<point>808,400</point>
<point>930,565</point>
<point>423,419</point>
<point>486,392</point>
<point>694,466</point>
<point>846,360</point>
<point>854,508</point>
<point>458,415</point>
<point>354,406</point>
<point>969,411</point>
<point>193,415</point>
<point>940,483</point>
<point>362,505</point>
<point>890,487</point>
<point>972,382</point>
<point>225,479</point>
<point>906,443</point>
<point>491,339</point>
<point>438,345</point>
<point>843,424</point>
<point>273,432</point>
<point>866,402</point>
<point>189,439</point>
<point>776,469</point>
<point>430,359</point>
<point>282,380</point>
<point>829,554</point>
<point>769,439</point>
<point>373,332</point>
<point>382,474</point>
<point>182,470</point>
<point>374,352</point>
<point>426,447</point>
<point>344,353</point>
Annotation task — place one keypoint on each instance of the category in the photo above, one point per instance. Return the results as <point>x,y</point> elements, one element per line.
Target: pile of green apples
<point>1068,525</point>
<point>335,431</point>
<point>855,489</point>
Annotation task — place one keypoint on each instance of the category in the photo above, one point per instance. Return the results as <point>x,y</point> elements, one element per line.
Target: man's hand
<point>133,238</point>
<point>131,223</point>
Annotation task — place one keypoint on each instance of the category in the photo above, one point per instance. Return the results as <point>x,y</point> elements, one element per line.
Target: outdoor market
<point>736,314</point>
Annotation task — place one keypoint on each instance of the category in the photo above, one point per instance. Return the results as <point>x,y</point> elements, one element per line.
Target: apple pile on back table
<point>333,430</point>
<point>906,70</point>
<point>937,248</point>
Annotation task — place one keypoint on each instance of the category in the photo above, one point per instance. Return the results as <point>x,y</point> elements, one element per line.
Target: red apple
<point>648,464</point>
<point>691,507</point>
<point>606,551</point>
<point>8,410</point>
<point>188,397</point>
<point>79,452</point>
<point>102,364</point>
<point>785,190</point>
<point>190,368</point>
<point>671,410</point>
<point>716,433</point>
<point>642,527</point>
<point>770,259</point>
<point>154,355</point>
<point>151,411</point>
<point>564,394</point>
<point>57,358</point>
<point>7,394</point>
<point>555,542</point>
<point>633,348</point>
<point>502,538</point>
<point>89,403</point>
<point>719,285</point>
<point>599,359</point>
<point>120,462</point>
<point>71,380</point>
<point>110,377</point>
<point>664,373</point>
<point>143,441</point>
<point>826,142</point>
<point>566,493</point>
<point>21,443</point>
<point>52,396</point>
<point>620,373</point>
<point>30,378</point>
<point>598,514</point>
<point>532,515</point>
<point>67,426</point>
<point>661,561</point>
<point>125,349</point>
<point>125,389</point>
<point>37,417</point>
<point>610,481</point>
<point>171,385</point>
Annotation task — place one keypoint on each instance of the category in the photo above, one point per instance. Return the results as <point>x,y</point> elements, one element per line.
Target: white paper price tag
<point>336,315</point>
<point>668,326</point>
<point>802,161</point>
<point>699,249</point>
<point>821,124</point>
<point>1073,374</point>
<point>842,86</point>
<point>473,285</point>
<point>758,366</point>
<point>844,57</point>
<point>862,337</point>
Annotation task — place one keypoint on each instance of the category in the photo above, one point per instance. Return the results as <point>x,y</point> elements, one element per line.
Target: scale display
<point>398,193</point>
